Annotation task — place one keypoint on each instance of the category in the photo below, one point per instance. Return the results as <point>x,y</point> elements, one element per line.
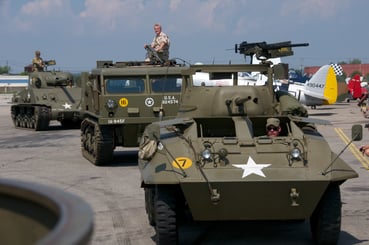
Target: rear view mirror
<point>356,132</point>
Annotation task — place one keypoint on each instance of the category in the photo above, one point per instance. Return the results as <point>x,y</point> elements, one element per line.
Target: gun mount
<point>50,62</point>
<point>264,51</point>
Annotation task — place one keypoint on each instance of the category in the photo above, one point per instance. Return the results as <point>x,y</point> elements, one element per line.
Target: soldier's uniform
<point>37,62</point>
<point>162,37</point>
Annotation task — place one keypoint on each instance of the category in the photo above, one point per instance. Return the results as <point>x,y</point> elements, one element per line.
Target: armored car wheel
<point>149,204</point>
<point>325,222</point>
<point>166,215</point>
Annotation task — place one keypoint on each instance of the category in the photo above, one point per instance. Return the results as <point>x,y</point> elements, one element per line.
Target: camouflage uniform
<point>162,37</point>
<point>37,63</point>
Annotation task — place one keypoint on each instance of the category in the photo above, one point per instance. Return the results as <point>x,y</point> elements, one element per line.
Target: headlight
<point>206,154</point>
<point>295,153</point>
<point>111,104</point>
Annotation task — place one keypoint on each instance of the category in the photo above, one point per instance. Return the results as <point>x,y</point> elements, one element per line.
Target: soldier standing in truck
<point>160,43</point>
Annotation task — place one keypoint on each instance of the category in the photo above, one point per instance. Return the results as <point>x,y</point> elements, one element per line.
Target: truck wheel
<point>166,216</point>
<point>97,143</point>
<point>325,222</point>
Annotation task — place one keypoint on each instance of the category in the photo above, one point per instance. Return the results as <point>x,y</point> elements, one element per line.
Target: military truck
<point>50,95</point>
<point>214,162</point>
<point>120,99</point>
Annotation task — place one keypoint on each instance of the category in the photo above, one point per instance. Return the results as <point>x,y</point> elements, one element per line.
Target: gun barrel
<point>300,45</point>
<point>271,50</point>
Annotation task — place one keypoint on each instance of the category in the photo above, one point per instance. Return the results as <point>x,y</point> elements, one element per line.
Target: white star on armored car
<point>251,168</point>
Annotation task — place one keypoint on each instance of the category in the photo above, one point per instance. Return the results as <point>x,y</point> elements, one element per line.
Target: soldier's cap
<point>272,122</point>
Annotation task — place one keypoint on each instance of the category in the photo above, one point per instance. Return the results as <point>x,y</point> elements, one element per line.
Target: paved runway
<point>54,158</point>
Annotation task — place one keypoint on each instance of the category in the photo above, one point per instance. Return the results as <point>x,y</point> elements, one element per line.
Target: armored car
<point>215,162</point>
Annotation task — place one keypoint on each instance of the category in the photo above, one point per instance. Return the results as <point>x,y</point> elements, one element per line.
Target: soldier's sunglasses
<point>271,128</point>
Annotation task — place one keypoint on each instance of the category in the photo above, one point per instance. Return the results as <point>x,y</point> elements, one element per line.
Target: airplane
<point>321,89</point>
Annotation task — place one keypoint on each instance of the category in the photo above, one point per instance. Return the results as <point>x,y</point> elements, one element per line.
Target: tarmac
<point>54,158</point>
<point>5,99</point>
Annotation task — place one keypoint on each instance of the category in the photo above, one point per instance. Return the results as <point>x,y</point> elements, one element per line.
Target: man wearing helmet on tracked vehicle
<point>160,43</point>
<point>37,62</point>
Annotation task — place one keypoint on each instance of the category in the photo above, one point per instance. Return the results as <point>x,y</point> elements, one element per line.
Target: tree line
<point>6,70</point>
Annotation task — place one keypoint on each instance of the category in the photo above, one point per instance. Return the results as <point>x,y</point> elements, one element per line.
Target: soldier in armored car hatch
<point>272,127</point>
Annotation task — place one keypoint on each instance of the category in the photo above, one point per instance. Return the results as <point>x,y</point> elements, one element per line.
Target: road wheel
<point>325,221</point>
<point>166,215</point>
<point>97,142</point>
<point>42,119</point>
<point>18,120</point>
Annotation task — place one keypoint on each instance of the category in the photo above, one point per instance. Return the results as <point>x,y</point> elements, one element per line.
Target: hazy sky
<point>76,33</point>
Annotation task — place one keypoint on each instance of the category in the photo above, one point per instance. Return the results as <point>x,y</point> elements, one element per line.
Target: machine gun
<point>264,51</point>
<point>153,55</point>
<point>50,62</point>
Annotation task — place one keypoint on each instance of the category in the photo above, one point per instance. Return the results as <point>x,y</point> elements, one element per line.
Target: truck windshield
<point>166,84</point>
<point>125,85</point>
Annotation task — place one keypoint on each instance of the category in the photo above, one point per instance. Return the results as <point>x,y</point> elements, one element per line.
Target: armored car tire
<point>166,215</point>
<point>149,204</point>
<point>325,222</point>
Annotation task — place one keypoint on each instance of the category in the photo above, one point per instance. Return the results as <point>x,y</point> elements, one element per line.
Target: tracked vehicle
<point>120,99</point>
<point>214,161</point>
<point>50,95</point>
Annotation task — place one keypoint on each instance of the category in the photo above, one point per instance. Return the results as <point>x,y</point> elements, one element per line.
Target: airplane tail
<point>323,84</point>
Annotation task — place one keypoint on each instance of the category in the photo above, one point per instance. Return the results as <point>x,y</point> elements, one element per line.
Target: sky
<point>77,33</point>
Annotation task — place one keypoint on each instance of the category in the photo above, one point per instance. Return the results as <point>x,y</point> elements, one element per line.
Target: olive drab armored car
<point>214,162</point>
<point>50,95</point>
<point>120,99</point>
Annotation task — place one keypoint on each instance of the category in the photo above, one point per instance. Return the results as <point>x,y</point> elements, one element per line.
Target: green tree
<point>366,78</point>
<point>355,61</point>
<point>4,69</point>
<point>355,72</point>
